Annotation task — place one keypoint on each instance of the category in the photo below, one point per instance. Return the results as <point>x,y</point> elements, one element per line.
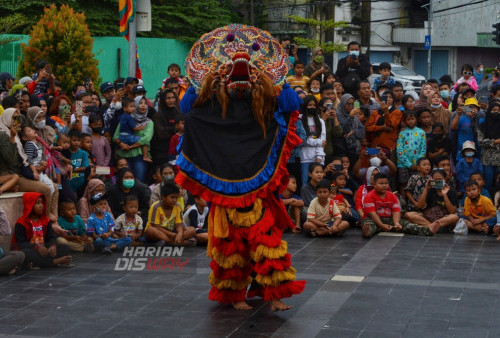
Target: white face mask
<point>314,90</point>
<point>375,161</point>
<point>40,125</point>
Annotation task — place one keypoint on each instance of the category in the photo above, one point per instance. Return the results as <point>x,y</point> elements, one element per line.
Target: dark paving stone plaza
<point>390,286</point>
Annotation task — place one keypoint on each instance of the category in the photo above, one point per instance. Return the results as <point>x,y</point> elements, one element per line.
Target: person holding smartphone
<point>353,68</point>
<point>333,128</point>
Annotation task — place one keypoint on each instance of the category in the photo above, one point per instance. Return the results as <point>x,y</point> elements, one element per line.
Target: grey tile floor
<point>389,286</point>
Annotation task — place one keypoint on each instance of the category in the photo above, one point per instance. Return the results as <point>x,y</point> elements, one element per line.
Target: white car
<point>409,79</point>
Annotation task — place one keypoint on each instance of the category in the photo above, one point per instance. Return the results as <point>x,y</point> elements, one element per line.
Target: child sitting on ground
<point>100,226</point>
<point>33,234</point>
<point>343,205</point>
<point>74,232</point>
<point>197,217</point>
<point>468,164</point>
<point>323,215</point>
<point>308,191</point>
<point>293,203</point>
<point>129,224</point>
<point>165,220</point>
<point>416,183</point>
<point>479,210</point>
<point>478,177</point>
<point>383,213</point>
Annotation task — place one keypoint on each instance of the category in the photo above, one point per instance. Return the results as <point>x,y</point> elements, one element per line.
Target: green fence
<point>112,52</point>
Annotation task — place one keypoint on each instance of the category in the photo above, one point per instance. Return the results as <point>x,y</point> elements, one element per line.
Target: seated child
<point>383,213</point>
<point>129,224</point>
<point>293,203</point>
<point>468,164</point>
<point>33,235</point>
<point>323,216</point>
<point>478,177</point>
<point>439,144</point>
<point>343,205</point>
<point>314,86</point>
<point>197,217</point>
<point>416,183</point>
<point>479,212</point>
<point>165,220</point>
<point>100,226</point>
<point>157,178</point>
<point>74,232</point>
<point>34,152</point>
<point>307,192</point>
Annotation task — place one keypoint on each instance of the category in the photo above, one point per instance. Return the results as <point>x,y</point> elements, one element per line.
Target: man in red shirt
<point>383,213</point>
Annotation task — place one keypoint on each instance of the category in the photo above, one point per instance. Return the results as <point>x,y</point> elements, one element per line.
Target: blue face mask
<point>354,52</point>
<point>444,94</point>
<point>469,154</point>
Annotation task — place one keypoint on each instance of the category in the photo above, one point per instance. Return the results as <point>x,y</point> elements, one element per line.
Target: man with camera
<point>353,68</point>
<point>291,50</point>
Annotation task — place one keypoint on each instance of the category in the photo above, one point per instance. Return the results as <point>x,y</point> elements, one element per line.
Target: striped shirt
<point>294,82</point>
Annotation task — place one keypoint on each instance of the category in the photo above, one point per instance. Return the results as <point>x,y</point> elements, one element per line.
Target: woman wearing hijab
<point>83,208</point>
<point>134,153</point>
<point>438,112</point>
<point>365,188</point>
<point>348,144</point>
<point>13,157</point>
<point>164,125</point>
<point>489,140</point>
<point>425,92</point>
<point>317,67</point>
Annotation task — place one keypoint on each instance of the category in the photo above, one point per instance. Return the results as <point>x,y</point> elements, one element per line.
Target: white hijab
<point>5,124</point>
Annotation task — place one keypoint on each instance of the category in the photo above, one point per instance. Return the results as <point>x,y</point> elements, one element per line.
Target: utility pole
<point>252,18</point>
<point>132,51</point>
<point>366,13</point>
<point>428,7</point>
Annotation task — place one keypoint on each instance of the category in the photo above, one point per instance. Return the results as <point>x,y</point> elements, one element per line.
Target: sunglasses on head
<point>467,73</point>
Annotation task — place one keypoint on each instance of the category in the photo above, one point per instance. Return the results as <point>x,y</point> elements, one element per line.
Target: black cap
<point>139,89</point>
<point>106,86</point>
<point>96,198</point>
<point>6,76</point>
<point>131,79</point>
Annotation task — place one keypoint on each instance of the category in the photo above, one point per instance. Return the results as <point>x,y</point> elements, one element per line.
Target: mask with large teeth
<point>239,76</point>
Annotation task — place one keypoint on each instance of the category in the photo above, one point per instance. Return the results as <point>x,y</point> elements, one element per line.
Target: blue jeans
<point>138,166</point>
<point>128,138</point>
<point>119,242</point>
<point>304,168</point>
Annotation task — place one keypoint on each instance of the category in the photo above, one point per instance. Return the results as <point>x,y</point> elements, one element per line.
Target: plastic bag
<point>461,228</point>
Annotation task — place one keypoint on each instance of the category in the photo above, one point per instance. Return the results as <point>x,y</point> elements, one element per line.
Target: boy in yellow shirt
<point>299,79</point>
<point>478,209</point>
<point>165,220</point>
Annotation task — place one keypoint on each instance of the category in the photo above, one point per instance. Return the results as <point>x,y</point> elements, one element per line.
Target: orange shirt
<point>484,207</point>
<point>379,138</point>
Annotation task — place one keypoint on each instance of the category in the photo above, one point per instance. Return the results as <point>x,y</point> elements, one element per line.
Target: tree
<point>319,28</point>
<point>175,19</point>
<point>188,20</point>
<point>63,39</point>
<point>9,24</point>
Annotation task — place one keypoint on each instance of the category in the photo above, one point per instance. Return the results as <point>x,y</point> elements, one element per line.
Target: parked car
<point>409,79</point>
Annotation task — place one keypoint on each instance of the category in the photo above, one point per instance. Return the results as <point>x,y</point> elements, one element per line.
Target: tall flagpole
<point>132,45</point>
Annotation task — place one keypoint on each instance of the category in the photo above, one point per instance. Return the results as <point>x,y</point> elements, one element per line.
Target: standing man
<point>108,92</point>
<point>479,73</point>
<point>353,68</point>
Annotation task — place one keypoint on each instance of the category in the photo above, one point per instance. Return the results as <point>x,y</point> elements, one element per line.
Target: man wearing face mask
<point>353,68</point>
<point>479,73</point>
<point>444,91</point>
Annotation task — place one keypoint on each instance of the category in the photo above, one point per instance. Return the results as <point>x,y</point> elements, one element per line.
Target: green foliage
<point>319,27</point>
<point>175,19</point>
<point>10,23</point>
<point>63,39</point>
<point>187,20</point>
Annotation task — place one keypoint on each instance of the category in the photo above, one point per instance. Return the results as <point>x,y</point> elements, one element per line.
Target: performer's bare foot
<point>435,227</point>
<point>278,305</point>
<point>241,306</point>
